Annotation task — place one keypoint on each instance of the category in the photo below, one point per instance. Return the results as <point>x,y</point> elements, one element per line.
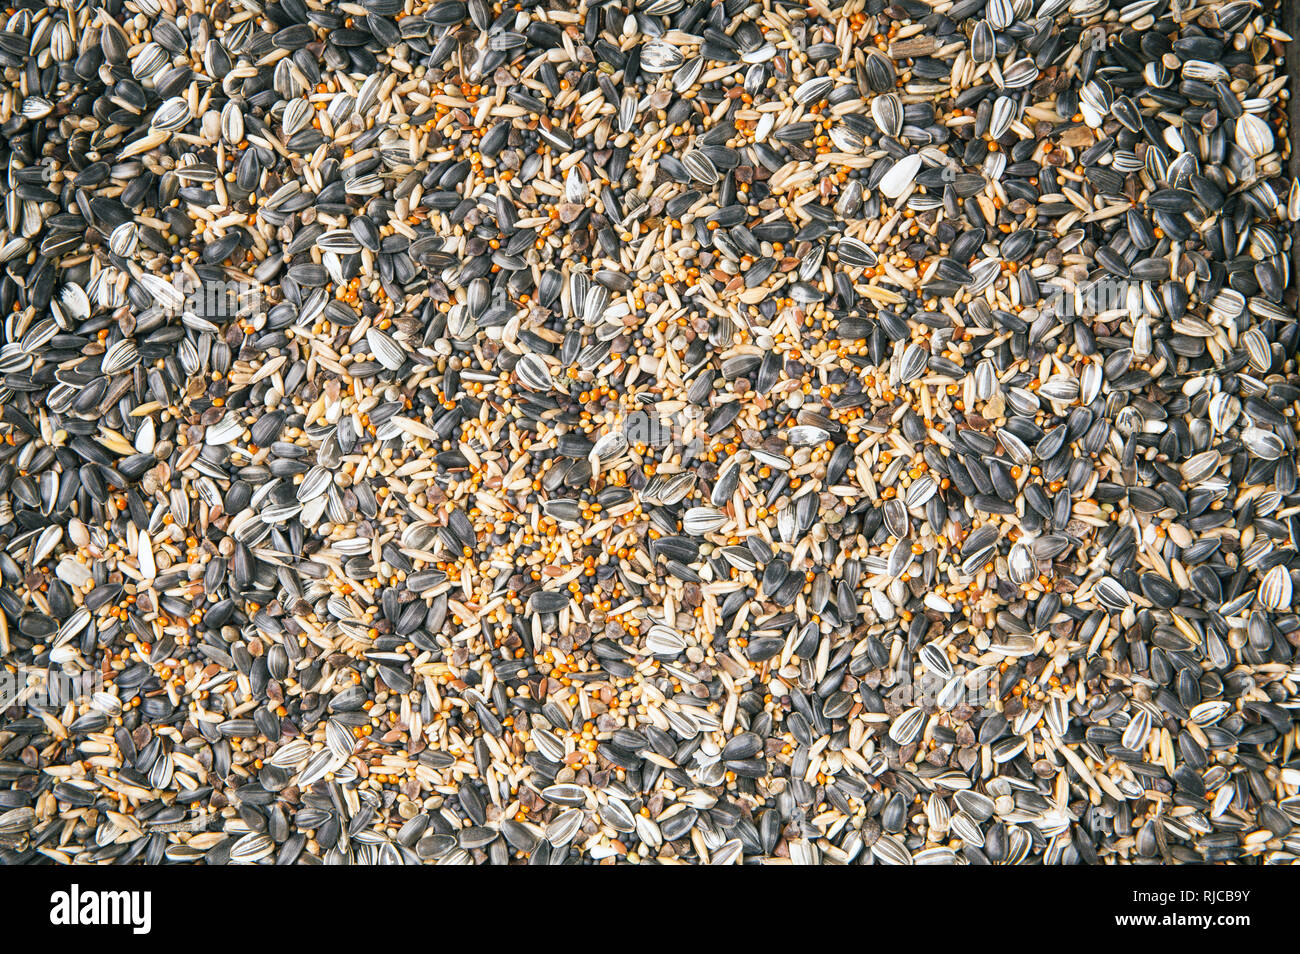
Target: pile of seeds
<point>707,432</point>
